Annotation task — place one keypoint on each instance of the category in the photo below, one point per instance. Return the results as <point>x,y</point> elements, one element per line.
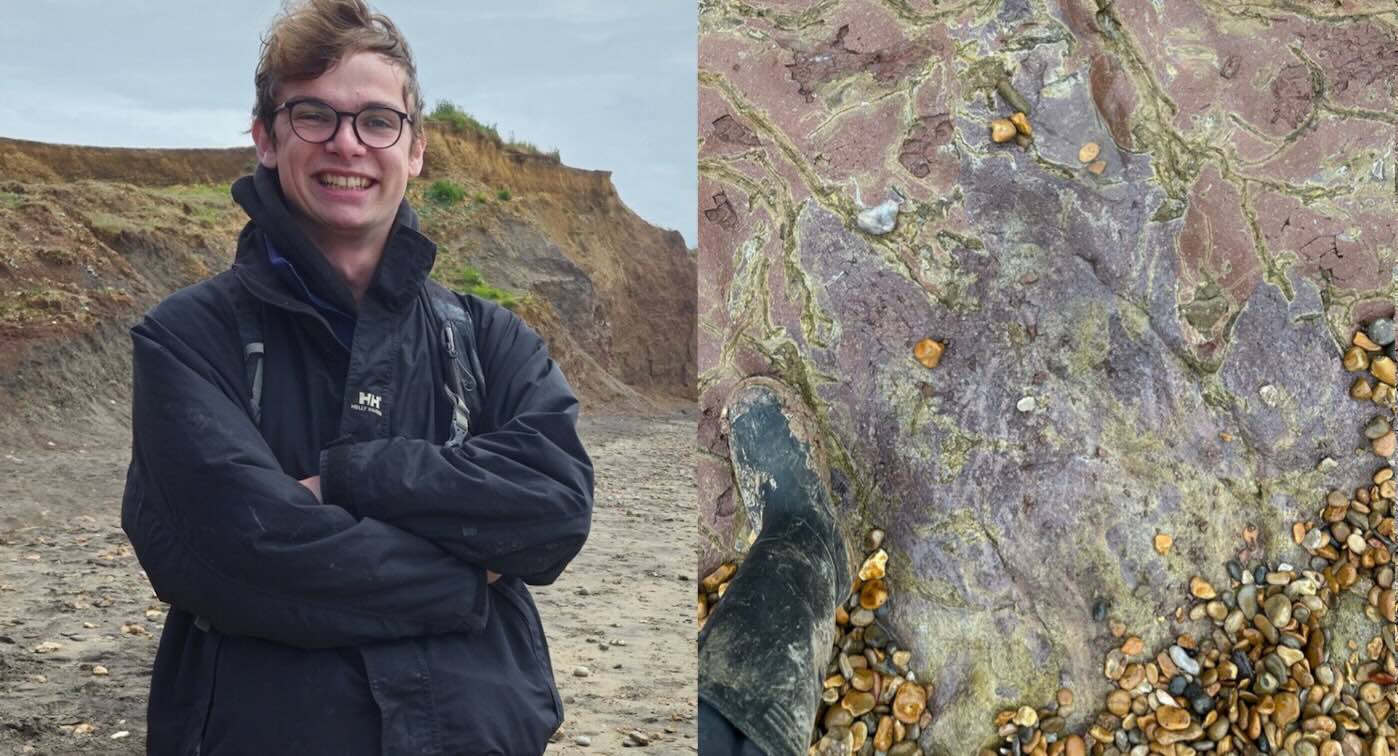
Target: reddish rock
<point>1215,244</point>
<point>722,213</point>
<point>1323,244</point>
<point>920,148</point>
<point>726,128</point>
<point>841,57</point>
<point>1358,60</point>
<point>1115,95</point>
<point>1292,96</point>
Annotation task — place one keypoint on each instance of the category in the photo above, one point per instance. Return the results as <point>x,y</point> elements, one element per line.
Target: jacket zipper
<point>449,339</point>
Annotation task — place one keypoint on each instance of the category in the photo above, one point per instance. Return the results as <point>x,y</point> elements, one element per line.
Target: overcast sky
<point>610,83</point>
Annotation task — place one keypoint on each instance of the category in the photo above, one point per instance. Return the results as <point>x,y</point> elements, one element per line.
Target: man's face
<point>313,176</point>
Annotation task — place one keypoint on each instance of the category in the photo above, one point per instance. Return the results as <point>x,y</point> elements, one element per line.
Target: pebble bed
<point>1263,677</point>
<point>871,701</point>
<point>1260,680</point>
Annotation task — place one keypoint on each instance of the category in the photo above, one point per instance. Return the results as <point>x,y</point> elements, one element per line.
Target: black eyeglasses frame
<point>403,118</point>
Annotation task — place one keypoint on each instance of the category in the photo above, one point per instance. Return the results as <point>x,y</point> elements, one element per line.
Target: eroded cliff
<point>91,237</point>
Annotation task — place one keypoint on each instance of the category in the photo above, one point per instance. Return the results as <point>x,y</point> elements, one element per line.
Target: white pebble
<point>1027,404</point>
<point>1182,660</point>
<point>879,219</point>
<point>1271,396</point>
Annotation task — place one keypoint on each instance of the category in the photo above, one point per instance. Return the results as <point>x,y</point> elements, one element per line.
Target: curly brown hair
<point>309,37</point>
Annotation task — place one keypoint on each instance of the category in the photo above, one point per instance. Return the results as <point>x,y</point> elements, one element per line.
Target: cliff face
<point>623,290</point>
<point>92,237</point>
<point>58,163</point>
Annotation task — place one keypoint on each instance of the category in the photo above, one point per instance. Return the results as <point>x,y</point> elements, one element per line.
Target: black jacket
<point>363,625</point>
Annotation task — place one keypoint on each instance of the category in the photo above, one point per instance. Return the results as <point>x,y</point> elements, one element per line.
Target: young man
<point>345,552</point>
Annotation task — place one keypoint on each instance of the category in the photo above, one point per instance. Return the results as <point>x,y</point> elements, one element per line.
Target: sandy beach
<point>79,623</point>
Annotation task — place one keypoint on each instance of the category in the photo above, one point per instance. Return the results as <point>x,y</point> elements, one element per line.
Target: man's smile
<point>336,180</point>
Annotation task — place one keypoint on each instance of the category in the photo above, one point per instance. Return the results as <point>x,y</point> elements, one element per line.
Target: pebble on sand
<point>1172,717</point>
<point>581,671</point>
<point>1025,716</point>
<point>859,702</point>
<point>911,699</point>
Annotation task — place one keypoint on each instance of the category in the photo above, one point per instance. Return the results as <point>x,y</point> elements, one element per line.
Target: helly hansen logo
<point>368,403</point>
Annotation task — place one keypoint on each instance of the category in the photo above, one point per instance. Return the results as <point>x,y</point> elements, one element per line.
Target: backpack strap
<point>465,381</point>
<point>249,314</point>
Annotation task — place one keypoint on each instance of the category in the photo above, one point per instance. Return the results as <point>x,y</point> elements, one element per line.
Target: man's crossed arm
<point>224,533</point>
<point>313,485</point>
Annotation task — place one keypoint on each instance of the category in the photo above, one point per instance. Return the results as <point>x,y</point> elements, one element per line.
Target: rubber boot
<point>762,651</point>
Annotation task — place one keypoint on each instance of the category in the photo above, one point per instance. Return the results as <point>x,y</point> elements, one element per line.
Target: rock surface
<point>1175,317</point>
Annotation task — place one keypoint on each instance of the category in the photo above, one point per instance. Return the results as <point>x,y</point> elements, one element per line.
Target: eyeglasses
<point>316,122</point>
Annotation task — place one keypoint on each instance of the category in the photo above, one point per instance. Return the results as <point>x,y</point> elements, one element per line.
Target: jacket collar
<point>407,257</point>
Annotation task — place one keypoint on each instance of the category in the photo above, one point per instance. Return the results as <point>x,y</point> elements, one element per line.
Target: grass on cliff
<point>468,280</point>
<point>459,121</point>
<point>206,204</point>
<point>525,146</point>
<point>445,192</point>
